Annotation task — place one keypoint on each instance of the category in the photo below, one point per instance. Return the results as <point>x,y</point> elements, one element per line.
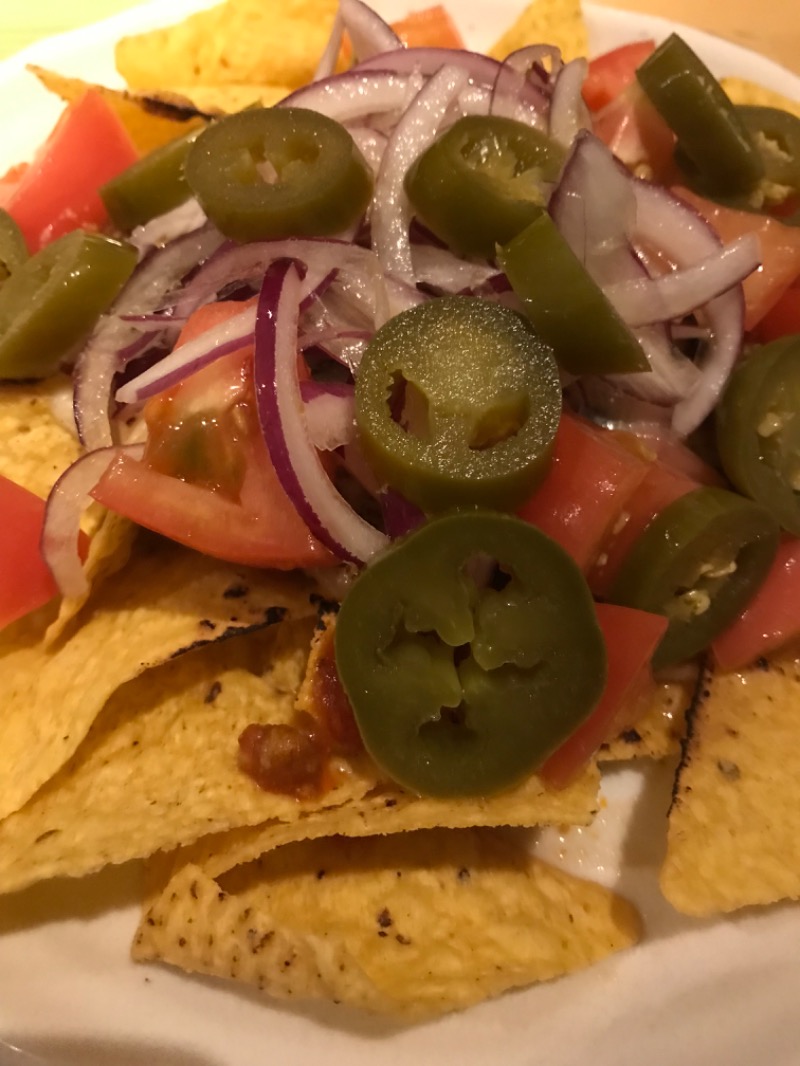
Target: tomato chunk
<point>25,579</point>
<point>591,479</point>
<point>58,191</point>
<point>783,318</point>
<point>631,637</point>
<point>612,72</point>
<point>432,27</point>
<point>771,619</point>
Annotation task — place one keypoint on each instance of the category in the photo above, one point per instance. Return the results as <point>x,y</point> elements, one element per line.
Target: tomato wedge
<point>631,637</point>
<point>612,73</point>
<point>207,480</point>
<point>432,27</point>
<point>25,579</point>
<point>771,619</point>
<point>58,191</point>
<point>591,479</point>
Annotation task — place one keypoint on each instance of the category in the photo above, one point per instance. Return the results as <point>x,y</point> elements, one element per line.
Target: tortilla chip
<point>148,126</point>
<point>241,42</point>
<point>557,22</point>
<point>658,732</point>
<point>167,601</point>
<point>734,828</point>
<point>748,92</point>
<point>414,923</point>
<point>35,447</point>
<point>226,99</point>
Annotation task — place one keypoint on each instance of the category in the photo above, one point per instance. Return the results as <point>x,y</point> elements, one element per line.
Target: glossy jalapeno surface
<point>699,562</point>
<point>50,303</point>
<point>13,250</point>
<point>458,403</point>
<point>483,181</point>
<point>714,146</point>
<point>566,307</point>
<point>758,429</point>
<point>278,172</point>
<point>469,652</point>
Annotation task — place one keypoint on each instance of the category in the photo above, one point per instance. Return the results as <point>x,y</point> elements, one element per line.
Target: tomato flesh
<point>783,318</point>
<point>612,73</point>
<point>631,637</point>
<point>58,192</point>
<point>430,28</point>
<point>770,620</point>
<point>25,579</point>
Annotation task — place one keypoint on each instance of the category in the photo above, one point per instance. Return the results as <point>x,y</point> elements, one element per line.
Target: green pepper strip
<point>699,563</point>
<point>483,181</point>
<point>714,144</point>
<point>51,302</point>
<point>13,250</point>
<point>150,187</point>
<point>758,429</point>
<point>278,172</point>
<point>566,307</point>
<point>480,402</point>
<point>463,684</point>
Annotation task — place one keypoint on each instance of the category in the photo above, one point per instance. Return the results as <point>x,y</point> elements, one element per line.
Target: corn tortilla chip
<point>226,99</point>
<point>166,601</point>
<point>557,22</point>
<point>658,732</point>
<point>748,92</point>
<point>159,766</point>
<point>241,42</point>
<point>734,828</point>
<point>35,447</point>
<point>412,923</point>
<point>149,126</point>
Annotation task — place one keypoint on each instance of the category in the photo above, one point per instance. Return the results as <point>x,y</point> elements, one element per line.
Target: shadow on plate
<point>65,898</point>
<point>87,1051</point>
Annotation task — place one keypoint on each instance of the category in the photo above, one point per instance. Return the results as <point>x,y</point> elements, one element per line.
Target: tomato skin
<point>590,481</point>
<point>771,618</point>
<point>25,579</point>
<point>612,73</point>
<point>246,517</point>
<point>660,486</point>
<point>631,637</point>
<point>783,317</point>
<point>58,191</point>
<point>637,135</point>
<point>780,252</point>
<point>431,27</point>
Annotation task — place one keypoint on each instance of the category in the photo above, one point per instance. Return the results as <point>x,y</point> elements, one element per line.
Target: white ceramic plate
<point>722,993</point>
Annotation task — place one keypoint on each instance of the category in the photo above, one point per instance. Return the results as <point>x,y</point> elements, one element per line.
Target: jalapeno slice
<point>150,187</point>
<point>714,143</point>
<point>13,250</point>
<point>565,305</point>
<point>458,403</point>
<point>50,303</point>
<point>699,563</point>
<point>469,652</point>
<point>758,429</point>
<point>483,181</point>
<point>278,172</point>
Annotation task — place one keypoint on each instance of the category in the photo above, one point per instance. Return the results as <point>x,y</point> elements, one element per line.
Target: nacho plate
<point>694,992</point>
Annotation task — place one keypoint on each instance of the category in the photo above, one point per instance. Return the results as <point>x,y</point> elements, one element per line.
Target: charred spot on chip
<point>206,623</point>
<point>729,770</point>
<point>273,615</point>
<point>324,606</point>
<point>631,736</point>
<point>171,106</point>
<point>235,592</point>
<point>384,918</point>
<point>761,663</point>
<point>464,874</point>
<point>401,939</point>
<point>46,835</point>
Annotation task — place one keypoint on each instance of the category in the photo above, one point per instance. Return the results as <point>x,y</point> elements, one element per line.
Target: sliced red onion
<point>402,296</point>
<point>229,336</point>
<point>416,130</point>
<point>480,69</point>
<point>443,270</point>
<point>618,409</point>
<point>68,499</point>
<point>669,224</point>
<point>568,113</point>
<point>182,220</point>
<point>280,411</point>
<point>474,100</point>
<point>330,413</point>
<point>371,144</point>
<point>522,87</point>
<point>369,34</point>
<point>354,95</point>
<point>98,362</point>
<point>400,516</point>
<point>330,54</point>
<point>679,292</point>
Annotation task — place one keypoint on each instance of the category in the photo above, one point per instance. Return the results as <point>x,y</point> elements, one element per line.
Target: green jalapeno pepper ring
<point>13,250</point>
<point>481,403</point>
<point>278,172</point>
<point>50,303</point>
<point>715,144</point>
<point>565,306</point>
<point>483,181</point>
<point>699,563</point>
<point>462,684</point>
<point>758,429</point>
